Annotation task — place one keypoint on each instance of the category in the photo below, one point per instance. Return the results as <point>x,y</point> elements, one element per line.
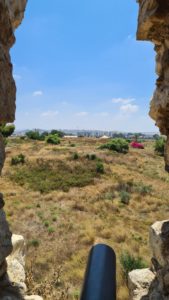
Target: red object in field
<point>137,145</point>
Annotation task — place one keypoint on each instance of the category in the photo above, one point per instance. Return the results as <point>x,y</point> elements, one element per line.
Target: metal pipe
<point>100,277</point>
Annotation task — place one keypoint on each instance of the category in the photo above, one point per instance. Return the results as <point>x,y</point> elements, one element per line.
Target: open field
<point>62,202</point>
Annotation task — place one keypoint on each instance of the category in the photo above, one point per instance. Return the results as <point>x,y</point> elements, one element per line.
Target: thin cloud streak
<point>37,93</point>
<point>129,108</point>
<point>122,100</point>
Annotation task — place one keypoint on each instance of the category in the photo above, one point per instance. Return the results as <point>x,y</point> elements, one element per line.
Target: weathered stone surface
<point>145,284</point>
<point>11,14</point>
<point>153,25</point>
<point>16,11</point>
<point>7,84</point>
<point>2,153</point>
<point>2,202</point>
<point>139,282</point>
<point>5,238</point>
<point>12,285</point>
<point>159,242</point>
<point>33,297</point>
<point>16,261</point>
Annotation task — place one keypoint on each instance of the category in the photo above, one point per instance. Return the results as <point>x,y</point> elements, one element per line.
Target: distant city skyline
<point>78,65</point>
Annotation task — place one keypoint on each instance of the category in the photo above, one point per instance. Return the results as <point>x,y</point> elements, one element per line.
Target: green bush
<point>52,139</point>
<point>51,230</point>
<point>109,195</point>
<point>129,263</point>
<point>35,243</point>
<point>75,156</point>
<point>143,189</point>
<point>118,144</point>
<point>124,197</point>
<point>7,130</point>
<point>46,223</point>
<point>36,135</point>
<point>99,167</point>
<point>19,159</point>
<point>91,156</point>
<point>159,146</point>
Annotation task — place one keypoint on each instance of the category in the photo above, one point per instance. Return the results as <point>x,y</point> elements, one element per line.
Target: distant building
<point>70,136</point>
<point>104,137</point>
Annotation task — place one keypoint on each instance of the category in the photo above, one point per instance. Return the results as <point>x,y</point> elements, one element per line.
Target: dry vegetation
<point>62,204</point>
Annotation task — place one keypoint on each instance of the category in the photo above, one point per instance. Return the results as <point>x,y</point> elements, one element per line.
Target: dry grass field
<point>63,203</point>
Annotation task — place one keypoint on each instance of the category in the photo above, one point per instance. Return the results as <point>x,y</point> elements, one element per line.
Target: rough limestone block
<point>16,261</point>
<point>139,282</point>
<point>159,242</point>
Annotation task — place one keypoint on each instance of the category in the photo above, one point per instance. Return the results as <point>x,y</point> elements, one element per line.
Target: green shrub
<point>143,189</point>
<point>124,197</point>
<point>99,167</point>
<point>36,135</point>
<point>46,223</point>
<point>109,195</point>
<point>129,263</point>
<point>125,186</point>
<point>19,159</point>
<point>54,218</point>
<point>53,139</point>
<point>133,187</point>
<point>118,144</point>
<point>51,230</point>
<point>159,146</point>
<point>35,243</point>
<point>72,145</point>
<point>75,156</point>
<point>91,156</point>
<point>7,130</point>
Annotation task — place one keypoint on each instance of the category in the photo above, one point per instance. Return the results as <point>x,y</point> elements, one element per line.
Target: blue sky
<point>77,65</point>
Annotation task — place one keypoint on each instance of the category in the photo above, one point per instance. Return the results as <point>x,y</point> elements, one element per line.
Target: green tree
<point>58,132</point>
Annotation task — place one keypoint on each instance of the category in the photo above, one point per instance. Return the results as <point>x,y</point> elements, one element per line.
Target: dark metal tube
<point>100,277</point>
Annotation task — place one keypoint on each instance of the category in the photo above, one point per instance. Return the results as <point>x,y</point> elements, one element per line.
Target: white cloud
<point>129,108</point>
<point>37,93</point>
<point>17,77</point>
<point>82,114</point>
<point>122,100</point>
<point>49,113</point>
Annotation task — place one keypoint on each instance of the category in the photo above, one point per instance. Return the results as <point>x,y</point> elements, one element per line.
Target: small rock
<point>139,282</point>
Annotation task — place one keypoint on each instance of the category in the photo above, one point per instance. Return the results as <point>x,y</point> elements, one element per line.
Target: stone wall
<point>153,283</point>
<point>153,25</point>
<point>11,14</point>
